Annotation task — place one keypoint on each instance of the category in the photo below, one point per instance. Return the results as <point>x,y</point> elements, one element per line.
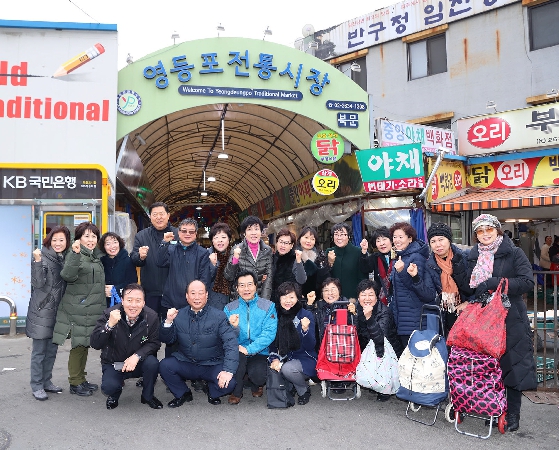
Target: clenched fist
<point>37,255</point>
<point>311,297</point>
<point>234,320</point>
<point>364,246</point>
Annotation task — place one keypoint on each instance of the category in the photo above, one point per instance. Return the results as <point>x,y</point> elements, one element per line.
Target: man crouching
<point>207,348</point>
<point>128,336</point>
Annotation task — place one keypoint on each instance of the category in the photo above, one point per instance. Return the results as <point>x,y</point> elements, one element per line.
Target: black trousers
<point>253,366</point>
<point>111,383</point>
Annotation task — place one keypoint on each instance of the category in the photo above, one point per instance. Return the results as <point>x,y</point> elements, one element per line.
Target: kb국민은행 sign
<point>391,168</point>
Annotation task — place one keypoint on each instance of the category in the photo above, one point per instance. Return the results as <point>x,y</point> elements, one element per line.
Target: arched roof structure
<point>267,139</point>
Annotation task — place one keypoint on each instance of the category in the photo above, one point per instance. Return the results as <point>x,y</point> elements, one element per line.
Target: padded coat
<point>84,299</point>
<point>48,287</point>
<point>517,363</point>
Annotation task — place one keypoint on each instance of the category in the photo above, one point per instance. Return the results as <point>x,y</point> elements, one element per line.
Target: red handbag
<point>482,328</point>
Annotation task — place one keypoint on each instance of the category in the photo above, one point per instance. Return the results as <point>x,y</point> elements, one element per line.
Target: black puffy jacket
<point>48,287</point>
<point>380,325</point>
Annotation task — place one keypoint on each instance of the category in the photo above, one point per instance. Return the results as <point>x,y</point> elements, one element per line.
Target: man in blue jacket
<point>255,322</point>
<point>187,261</point>
<point>207,348</point>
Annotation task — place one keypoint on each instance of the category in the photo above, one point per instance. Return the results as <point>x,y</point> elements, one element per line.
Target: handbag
<point>278,390</point>
<point>115,298</point>
<point>379,374</point>
<point>482,328</point>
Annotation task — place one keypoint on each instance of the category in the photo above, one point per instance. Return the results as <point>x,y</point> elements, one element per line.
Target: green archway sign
<point>249,71</point>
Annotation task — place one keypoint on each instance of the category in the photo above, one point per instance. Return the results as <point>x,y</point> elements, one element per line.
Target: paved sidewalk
<point>70,422</point>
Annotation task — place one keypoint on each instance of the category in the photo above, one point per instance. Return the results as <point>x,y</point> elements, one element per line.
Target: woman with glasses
<point>287,264</point>
<point>493,258</point>
<point>314,260</point>
<point>254,255</point>
<point>324,308</point>
<point>345,260</point>
<point>411,288</point>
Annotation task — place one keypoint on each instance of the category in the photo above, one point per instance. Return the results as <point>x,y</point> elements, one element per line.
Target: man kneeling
<point>128,336</point>
<point>207,348</point>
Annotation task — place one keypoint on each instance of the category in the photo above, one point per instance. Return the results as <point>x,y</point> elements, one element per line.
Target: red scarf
<point>384,279</point>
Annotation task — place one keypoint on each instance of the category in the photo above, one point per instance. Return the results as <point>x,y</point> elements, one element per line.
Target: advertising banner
<point>431,138</point>
<point>528,128</point>
<point>391,168</point>
<point>517,173</point>
<point>58,90</point>
<point>449,178</point>
<point>396,21</point>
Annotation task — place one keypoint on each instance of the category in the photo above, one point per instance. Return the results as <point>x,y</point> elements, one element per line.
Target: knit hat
<point>486,220</point>
<point>439,229</point>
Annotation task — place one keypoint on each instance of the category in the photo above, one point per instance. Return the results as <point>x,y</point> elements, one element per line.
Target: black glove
<point>488,285</point>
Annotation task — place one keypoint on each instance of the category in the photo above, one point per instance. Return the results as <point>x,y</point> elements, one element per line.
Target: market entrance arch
<point>257,101</point>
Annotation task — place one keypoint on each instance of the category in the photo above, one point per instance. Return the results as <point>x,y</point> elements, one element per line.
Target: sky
<point>144,27</point>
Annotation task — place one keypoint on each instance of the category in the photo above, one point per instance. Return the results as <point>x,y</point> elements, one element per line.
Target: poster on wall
<point>58,93</point>
<point>16,241</point>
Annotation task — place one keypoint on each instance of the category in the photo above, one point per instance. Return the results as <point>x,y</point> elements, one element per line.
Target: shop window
<point>544,28</point>
<point>361,77</point>
<point>427,57</point>
<point>454,222</point>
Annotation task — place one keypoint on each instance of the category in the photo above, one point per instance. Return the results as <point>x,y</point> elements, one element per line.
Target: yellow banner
<point>449,178</point>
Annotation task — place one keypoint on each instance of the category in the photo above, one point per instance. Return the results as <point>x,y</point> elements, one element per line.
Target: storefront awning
<point>502,199</point>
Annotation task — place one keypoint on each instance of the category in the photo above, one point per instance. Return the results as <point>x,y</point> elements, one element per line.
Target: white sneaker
<point>40,395</point>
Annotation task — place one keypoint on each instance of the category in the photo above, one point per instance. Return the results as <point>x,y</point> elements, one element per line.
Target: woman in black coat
<point>286,263</point>
<point>496,257</point>
<point>48,287</point>
<point>120,271</point>
<point>380,263</point>
<point>314,260</point>
<point>375,322</point>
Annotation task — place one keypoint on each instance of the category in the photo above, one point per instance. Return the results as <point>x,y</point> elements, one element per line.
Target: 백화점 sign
<point>391,168</point>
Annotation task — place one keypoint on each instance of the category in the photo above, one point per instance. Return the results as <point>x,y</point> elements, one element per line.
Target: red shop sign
<point>489,133</point>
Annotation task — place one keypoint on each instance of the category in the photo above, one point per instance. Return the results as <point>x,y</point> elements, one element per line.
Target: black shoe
<point>513,422</point>
<point>176,402</point>
<point>304,399</point>
<point>80,390</point>
<point>92,387</point>
<point>383,397</point>
<point>214,401</point>
<point>154,403</point>
<point>140,382</point>
<point>112,402</point>
<point>199,385</point>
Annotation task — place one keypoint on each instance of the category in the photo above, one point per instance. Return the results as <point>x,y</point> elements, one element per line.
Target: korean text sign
<point>395,21</point>
<point>430,138</point>
<point>527,128</point>
<point>517,173</point>
<point>449,178</point>
<point>391,168</point>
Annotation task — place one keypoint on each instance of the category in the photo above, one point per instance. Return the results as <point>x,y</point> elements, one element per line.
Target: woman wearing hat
<point>493,258</point>
<point>439,267</point>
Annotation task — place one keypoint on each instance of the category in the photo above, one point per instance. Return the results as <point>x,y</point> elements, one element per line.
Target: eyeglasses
<point>285,243</point>
<point>158,214</point>
<point>245,285</point>
<point>340,234</point>
<point>331,290</point>
<point>482,230</point>
<point>187,231</point>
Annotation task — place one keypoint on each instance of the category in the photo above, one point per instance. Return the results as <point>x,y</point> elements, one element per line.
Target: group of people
<point>228,314</point>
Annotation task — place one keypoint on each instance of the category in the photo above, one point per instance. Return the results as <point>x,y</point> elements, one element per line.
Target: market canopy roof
<point>501,199</point>
<point>267,138</point>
